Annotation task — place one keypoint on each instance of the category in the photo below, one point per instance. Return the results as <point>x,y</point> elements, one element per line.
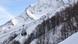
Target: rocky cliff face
<point>61,26</point>
<point>53,25</point>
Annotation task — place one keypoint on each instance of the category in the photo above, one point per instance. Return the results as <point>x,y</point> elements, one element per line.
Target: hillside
<point>47,22</point>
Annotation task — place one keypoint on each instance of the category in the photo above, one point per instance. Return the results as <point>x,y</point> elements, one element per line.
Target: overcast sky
<point>11,8</point>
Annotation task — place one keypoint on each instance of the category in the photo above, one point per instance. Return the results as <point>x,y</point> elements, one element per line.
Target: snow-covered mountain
<point>46,22</point>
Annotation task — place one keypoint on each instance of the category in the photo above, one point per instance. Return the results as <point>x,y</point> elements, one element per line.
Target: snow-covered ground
<point>71,40</point>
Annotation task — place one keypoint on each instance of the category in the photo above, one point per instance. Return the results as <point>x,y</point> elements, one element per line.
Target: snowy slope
<point>16,22</point>
<point>71,40</point>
